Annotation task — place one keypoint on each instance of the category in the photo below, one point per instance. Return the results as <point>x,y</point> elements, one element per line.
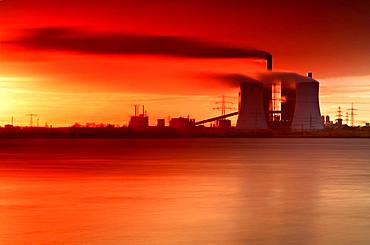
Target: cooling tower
<point>251,112</point>
<point>307,116</point>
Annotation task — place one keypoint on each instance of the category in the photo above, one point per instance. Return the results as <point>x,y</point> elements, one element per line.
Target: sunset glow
<point>184,122</point>
<point>105,87</point>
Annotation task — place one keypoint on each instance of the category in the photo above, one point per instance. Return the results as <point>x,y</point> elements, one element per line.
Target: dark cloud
<point>74,40</point>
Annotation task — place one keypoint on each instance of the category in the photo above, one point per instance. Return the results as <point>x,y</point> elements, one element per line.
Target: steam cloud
<point>75,40</point>
<point>270,76</point>
<point>235,80</point>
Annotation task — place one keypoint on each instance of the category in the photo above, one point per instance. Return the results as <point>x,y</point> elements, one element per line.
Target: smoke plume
<point>75,40</point>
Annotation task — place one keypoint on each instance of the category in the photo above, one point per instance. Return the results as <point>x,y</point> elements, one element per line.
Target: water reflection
<point>208,191</point>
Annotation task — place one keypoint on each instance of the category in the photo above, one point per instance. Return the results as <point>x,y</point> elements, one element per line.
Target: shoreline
<point>171,133</point>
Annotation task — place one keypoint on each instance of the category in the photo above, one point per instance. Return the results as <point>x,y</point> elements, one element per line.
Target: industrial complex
<point>280,101</point>
<point>271,104</point>
<point>277,101</point>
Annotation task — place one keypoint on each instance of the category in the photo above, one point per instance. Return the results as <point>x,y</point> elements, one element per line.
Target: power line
<point>352,115</point>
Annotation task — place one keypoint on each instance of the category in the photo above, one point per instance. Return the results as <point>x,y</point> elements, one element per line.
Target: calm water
<point>197,191</point>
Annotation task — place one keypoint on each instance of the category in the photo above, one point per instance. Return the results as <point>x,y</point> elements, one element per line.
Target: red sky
<point>329,38</point>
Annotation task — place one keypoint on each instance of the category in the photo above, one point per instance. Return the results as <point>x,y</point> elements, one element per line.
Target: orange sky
<point>330,39</point>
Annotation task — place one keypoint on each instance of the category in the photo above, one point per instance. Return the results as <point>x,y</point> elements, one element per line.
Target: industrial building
<point>182,123</point>
<point>279,101</point>
<point>161,123</point>
<point>139,122</point>
<point>223,123</point>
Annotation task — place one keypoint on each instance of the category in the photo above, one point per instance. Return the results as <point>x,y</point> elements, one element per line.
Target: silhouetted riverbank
<point>111,132</point>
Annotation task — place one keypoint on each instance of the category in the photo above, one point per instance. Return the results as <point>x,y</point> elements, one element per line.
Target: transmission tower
<point>224,105</point>
<point>347,120</point>
<point>31,118</point>
<point>339,114</point>
<point>339,117</point>
<point>352,115</point>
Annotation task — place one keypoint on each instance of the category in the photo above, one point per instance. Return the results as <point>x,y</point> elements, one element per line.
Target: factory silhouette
<point>277,101</point>
<point>270,103</point>
<point>275,104</point>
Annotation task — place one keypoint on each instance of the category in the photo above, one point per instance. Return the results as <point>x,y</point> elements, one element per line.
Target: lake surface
<point>185,191</point>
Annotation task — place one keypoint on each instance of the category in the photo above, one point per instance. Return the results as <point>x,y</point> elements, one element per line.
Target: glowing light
<point>283,99</point>
<point>15,79</point>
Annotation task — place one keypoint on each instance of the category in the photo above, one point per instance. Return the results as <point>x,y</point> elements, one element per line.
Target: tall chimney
<point>269,62</point>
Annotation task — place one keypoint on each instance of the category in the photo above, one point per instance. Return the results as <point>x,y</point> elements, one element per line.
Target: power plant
<point>276,101</point>
<point>280,101</point>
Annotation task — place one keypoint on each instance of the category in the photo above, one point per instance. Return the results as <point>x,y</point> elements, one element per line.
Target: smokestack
<point>269,62</point>
<point>309,74</point>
